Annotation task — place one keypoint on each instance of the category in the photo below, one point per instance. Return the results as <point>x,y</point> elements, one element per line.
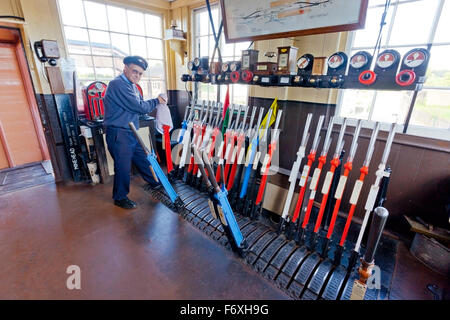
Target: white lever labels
<point>340,188</point>
<point>327,182</point>
<point>315,179</point>
<point>356,191</point>
<point>304,175</point>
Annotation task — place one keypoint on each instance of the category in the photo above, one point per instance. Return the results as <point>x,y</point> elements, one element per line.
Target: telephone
<point>47,50</point>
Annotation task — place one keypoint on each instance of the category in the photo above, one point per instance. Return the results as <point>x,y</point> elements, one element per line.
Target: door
<point>19,142</point>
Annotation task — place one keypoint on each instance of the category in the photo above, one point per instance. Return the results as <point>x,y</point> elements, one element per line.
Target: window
<point>409,24</point>
<point>204,46</point>
<point>99,36</point>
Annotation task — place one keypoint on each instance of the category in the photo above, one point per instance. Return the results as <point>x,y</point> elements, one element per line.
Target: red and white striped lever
<point>232,141</point>
<point>202,127</point>
<point>328,179</point>
<point>348,166</point>
<point>268,159</point>
<point>216,131</point>
<point>226,147</point>
<point>294,173</point>
<point>371,198</point>
<point>240,140</point>
<point>305,176</point>
<point>356,191</point>
<point>197,131</point>
<point>315,181</point>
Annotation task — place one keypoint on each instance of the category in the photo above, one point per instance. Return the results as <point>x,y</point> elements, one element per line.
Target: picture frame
<point>271,19</point>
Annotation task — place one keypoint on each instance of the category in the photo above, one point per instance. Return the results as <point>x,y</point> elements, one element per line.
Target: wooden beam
<point>6,147</point>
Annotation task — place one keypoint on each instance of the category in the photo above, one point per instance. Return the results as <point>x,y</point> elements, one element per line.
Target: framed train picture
<point>269,19</point>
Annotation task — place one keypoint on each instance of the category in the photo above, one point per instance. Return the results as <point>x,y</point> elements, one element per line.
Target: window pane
<point>203,91</point>
<point>373,3</point>
<point>96,15</point>
<point>138,46</point>
<point>155,49</point>
<point>240,94</point>
<point>86,73</point>
<point>145,85</point>
<point>367,37</point>
<point>77,40</point>
<point>103,62</point>
<point>438,72</point>
<point>211,46</point>
<point>120,44</point>
<point>153,25</point>
<point>104,73</point>
<point>213,93</point>
<point>356,103</point>
<point>100,43</point>
<point>223,92</point>
<point>239,47</point>
<point>202,24</point>
<point>432,109</point>
<point>117,18</point>
<point>84,66</point>
<point>215,17</point>
<point>413,22</point>
<point>201,46</point>
<point>118,66</point>
<point>155,69</point>
<point>72,12</point>
<point>391,106</point>
<point>157,87</point>
<point>82,61</point>
<point>226,49</point>
<point>136,23</point>
<point>442,34</point>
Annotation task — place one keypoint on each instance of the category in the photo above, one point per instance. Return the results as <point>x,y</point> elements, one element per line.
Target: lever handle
<point>380,216</point>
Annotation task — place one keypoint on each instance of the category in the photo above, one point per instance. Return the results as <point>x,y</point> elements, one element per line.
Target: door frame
<point>16,40</point>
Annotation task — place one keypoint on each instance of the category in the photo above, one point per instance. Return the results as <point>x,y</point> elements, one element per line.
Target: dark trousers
<point>125,149</point>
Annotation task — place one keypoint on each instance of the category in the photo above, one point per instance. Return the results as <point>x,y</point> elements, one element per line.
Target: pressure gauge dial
<point>303,62</point>
<point>415,58</point>
<point>197,62</point>
<point>386,60</point>
<point>359,60</point>
<point>336,61</point>
<point>235,66</point>
<point>225,67</point>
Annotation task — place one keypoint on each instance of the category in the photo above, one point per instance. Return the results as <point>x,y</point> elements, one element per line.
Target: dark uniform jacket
<point>124,104</point>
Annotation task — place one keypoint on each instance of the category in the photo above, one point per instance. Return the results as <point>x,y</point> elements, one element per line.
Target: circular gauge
<point>190,65</point>
<point>234,66</point>
<point>303,62</point>
<point>225,67</point>
<point>359,60</point>
<point>415,58</point>
<point>386,60</point>
<point>335,61</point>
<point>196,62</point>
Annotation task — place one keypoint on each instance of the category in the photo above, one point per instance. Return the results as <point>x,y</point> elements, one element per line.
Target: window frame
<point>412,129</point>
<point>209,34</point>
<point>112,55</point>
